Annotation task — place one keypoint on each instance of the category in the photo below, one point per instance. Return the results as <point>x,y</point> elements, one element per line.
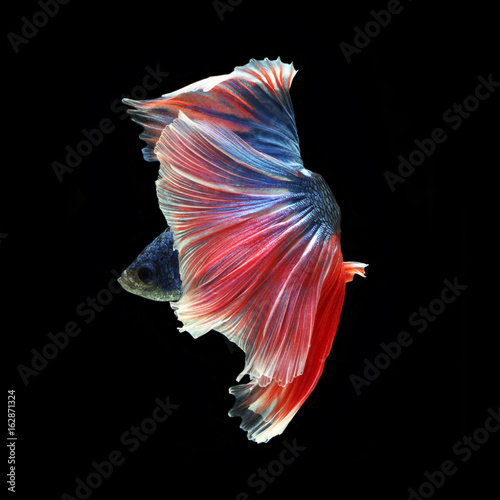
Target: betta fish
<point>257,235</point>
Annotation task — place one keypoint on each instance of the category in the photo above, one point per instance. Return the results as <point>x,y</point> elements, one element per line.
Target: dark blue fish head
<point>154,274</point>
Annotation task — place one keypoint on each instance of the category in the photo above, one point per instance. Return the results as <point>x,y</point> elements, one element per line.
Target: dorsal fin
<point>248,101</point>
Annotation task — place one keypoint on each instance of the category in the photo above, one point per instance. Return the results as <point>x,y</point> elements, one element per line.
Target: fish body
<point>257,234</point>
<point>154,274</point>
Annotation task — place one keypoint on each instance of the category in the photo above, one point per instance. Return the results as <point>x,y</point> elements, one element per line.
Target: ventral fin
<point>352,268</point>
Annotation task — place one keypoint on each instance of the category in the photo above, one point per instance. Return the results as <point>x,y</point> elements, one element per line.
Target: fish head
<point>154,274</point>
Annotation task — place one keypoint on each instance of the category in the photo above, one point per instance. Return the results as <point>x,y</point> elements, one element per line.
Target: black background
<point>62,240</point>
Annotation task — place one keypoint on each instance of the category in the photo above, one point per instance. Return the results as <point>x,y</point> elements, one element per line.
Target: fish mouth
<point>128,284</point>
<point>132,286</point>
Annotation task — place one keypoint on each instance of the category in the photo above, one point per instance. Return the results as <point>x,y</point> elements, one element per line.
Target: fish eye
<point>146,274</point>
